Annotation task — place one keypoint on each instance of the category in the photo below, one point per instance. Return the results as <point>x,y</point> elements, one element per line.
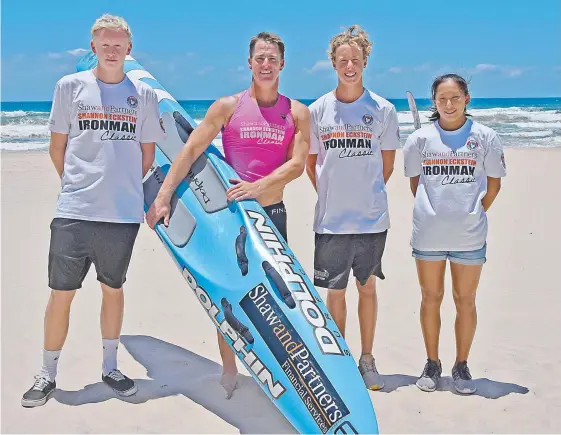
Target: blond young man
<point>353,138</point>
<point>103,133</point>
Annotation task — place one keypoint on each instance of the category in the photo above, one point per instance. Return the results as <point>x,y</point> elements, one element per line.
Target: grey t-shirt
<point>105,123</point>
<point>348,139</point>
<point>453,166</point>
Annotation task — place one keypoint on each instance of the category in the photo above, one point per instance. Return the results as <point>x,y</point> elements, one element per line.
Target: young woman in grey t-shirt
<point>455,167</point>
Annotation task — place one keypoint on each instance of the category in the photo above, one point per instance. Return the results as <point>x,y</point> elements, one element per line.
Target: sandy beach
<point>169,344</point>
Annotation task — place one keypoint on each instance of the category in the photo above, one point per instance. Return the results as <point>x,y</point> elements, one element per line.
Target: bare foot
<point>229,382</point>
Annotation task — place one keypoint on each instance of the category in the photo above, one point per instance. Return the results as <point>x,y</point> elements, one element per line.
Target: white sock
<point>50,363</point>
<point>110,347</point>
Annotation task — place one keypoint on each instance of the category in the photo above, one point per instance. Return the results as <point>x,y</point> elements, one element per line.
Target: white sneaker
<point>370,375</point>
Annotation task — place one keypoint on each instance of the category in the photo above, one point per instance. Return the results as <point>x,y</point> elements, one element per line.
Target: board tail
<point>414,111</point>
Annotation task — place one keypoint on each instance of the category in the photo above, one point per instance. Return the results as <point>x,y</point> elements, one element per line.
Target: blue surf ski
<point>251,285</point>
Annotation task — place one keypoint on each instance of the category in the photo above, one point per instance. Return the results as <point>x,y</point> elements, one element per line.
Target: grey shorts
<point>76,244</point>
<point>336,254</point>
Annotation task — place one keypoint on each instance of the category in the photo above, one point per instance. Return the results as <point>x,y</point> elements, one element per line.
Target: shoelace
<point>431,369</point>
<point>40,383</point>
<point>368,366</point>
<point>462,371</point>
<point>116,375</point>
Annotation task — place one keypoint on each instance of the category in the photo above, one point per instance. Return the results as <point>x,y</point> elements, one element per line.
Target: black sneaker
<point>462,378</point>
<point>430,377</point>
<point>121,384</point>
<point>39,393</point>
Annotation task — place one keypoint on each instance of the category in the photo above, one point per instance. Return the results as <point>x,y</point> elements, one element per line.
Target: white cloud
<point>505,70</point>
<point>78,51</point>
<point>423,67</point>
<point>515,72</point>
<point>205,70</point>
<point>395,70</point>
<point>239,69</point>
<point>320,65</point>
<point>481,67</point>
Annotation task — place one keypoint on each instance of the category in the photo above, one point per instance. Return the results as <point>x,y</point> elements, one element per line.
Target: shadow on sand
<point>485,387</point>
<point>174,371</point>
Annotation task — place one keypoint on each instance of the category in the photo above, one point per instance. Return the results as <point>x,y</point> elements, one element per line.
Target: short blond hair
<point>113,22</point>
<point>354,35</point>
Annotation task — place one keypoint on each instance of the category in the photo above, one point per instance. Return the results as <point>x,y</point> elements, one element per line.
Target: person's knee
<point>432,296</point>
<point>62,298</point>
<point>464,302</point>
<point>368,289</point>
<point>336,296</point>
<point>109,291</point>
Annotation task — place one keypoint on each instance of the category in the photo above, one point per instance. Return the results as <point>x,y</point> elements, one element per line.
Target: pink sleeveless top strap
<point>256,139</point>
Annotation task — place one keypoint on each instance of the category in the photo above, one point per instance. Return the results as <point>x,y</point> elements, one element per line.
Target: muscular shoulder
<point>226,105</point>
<point>221,110</point>
<point>299,110</point>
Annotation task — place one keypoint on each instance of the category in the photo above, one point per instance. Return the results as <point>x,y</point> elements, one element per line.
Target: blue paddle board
<point>256,293</point>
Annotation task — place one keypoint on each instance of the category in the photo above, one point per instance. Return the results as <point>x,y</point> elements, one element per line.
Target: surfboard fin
<point>232,320</point>
<point>281,286</point>
<point>413,109</point>
<point>184,128</point>
<point>243,262</point>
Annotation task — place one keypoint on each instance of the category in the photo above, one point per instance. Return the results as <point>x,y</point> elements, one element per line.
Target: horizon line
<point>302,98</point>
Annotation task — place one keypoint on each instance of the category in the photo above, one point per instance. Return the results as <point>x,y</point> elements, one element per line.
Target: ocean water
<point>521,122</point>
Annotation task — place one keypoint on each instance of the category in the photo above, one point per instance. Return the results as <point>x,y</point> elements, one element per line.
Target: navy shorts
<point>277,213</point>
<point>336,254</point>
<point>76,244</point>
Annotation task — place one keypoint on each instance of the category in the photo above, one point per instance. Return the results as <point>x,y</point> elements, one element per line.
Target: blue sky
<point>198,50</point>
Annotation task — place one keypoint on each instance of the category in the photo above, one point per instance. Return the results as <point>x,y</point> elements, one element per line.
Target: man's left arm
<point>151,131</point>
<point>290,170</point>
<point>388,160</point>
<point>148,153</point>
<point>389,142</point>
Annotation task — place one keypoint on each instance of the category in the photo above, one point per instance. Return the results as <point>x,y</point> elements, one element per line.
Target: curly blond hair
<point>113,22</point>
<point>354,35</point>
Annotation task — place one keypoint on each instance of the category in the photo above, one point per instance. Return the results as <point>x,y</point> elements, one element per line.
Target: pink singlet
<point>256,139</point>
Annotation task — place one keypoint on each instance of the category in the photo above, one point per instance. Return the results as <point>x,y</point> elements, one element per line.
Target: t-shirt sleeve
<point>314,135</point>
<point>151,129</point>
<point>389,139</point>
<point>412,159</point>
<point>494,163</point>
<point>59,119</point>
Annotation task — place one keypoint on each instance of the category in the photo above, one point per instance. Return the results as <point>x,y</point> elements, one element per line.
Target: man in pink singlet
<point>265,136</point>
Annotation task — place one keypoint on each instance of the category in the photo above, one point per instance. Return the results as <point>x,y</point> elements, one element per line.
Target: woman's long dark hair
<point>460,81</point>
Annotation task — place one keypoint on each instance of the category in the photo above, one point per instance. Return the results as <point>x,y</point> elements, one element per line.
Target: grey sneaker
<point>39,393</point>
<point>121,384</point>
<point>430,377</point>
<point>462,378</point>
<point>370,375</point>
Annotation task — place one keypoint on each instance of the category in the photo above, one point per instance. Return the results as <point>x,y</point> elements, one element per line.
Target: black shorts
<point>76,244</point>
<point>277,213</point>
<point>336,254</point>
